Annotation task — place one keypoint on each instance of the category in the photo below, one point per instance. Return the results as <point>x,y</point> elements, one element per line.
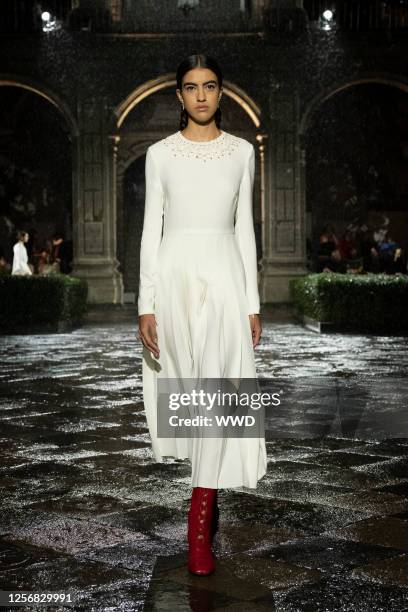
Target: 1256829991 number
<point>16,598</point>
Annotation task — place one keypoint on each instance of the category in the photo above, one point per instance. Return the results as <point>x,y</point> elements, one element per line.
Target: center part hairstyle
<point>198,61</point>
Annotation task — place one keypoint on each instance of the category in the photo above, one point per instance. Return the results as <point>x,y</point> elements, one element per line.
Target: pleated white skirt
<point>203,331</point>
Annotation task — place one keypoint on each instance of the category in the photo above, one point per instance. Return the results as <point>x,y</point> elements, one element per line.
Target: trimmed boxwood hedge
<point>372,303</point>
<point>55,302</point>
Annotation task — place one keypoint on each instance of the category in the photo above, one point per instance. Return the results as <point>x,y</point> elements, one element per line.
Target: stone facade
<point>116,92</point>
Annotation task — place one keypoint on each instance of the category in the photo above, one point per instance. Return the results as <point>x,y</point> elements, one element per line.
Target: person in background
<point>60,254</point>
<point>20,256</point>
<point>368,249</point>
<point>43,258</point>
<point>328,236</point>
<point>5,267</point>
<point>391,260</point>
<point>347,246</point>
<point>328,255</point>
<point>351,255</point>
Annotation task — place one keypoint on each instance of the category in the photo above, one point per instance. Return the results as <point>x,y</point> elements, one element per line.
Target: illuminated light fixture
<point>327,19</point>
<point>49,24</point>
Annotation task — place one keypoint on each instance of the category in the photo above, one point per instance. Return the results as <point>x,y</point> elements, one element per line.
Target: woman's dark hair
<point>198,61</point>
<point>21,234</point>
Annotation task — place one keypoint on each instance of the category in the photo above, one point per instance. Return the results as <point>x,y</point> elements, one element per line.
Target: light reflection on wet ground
<point>85,508</point>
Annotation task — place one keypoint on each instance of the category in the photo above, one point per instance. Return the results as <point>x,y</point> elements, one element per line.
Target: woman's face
<point>200,88</point>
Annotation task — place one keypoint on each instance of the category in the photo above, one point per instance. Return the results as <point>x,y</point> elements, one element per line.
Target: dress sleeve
<point>18,259</point>
<point>245,234</point>
<point>151,236</point>
<point>15,258</point>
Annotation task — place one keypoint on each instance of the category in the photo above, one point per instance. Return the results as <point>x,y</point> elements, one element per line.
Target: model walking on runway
<point>198,304</point>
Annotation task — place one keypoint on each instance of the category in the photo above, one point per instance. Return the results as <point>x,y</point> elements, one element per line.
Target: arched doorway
<point>148,114</point>
<point>355,140</point>
<point>36,132</point>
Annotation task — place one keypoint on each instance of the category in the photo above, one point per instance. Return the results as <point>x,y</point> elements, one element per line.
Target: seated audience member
<point>328,256</point>
<point>45,265</point>
<point>368,249</point>
<point>350,252</point>
<point>43,261</point>
<point>61,255</point>
<point>5,267</point>
<point>390,255</point>
<point>347,246</point>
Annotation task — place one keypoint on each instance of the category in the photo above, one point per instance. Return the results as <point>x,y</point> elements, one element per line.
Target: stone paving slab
<point>87,506</point>
<point>270,573</point>
<point>241,537</point>
<point>301,471</point>
<point>307,518</point>
<point>347,459</point>
<point>97,586</point>
<point>224,581</point>
<point>328,554</point>
<point>340,594</point>
<point>372,502</point>
<point>71,535</point>
<point>384,531</point>
<point>389,571</point>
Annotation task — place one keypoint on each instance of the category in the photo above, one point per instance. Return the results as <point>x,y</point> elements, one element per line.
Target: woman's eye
<point>191,87</point>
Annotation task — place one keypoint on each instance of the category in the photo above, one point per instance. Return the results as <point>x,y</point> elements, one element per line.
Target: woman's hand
<point>148,333</point>
<point>256,328</point>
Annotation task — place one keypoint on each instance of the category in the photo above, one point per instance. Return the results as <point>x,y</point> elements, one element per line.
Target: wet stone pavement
<point>86,510</point>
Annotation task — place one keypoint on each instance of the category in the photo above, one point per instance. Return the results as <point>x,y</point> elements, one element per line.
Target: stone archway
<point>389,80</point>
<point>385,79</point>
<point>47,204</point>
<point>93,153</point>
<point>135,147</point>
<point>285,255</point>
<point>44,92</point>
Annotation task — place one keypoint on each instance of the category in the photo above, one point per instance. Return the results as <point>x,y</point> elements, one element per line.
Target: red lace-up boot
<point>200,525</point>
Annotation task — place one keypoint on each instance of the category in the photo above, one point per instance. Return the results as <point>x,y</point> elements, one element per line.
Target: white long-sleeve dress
<point>20,259</point>
<point>198,275</point>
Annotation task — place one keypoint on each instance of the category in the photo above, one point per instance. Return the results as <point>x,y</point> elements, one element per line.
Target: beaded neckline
<point>223,145</point>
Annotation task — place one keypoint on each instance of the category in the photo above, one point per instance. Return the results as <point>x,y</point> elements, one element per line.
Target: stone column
<point>94,206</point>
<point>284,252</point>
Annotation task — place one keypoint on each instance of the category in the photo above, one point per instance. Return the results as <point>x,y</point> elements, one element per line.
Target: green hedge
<point>373,303</point>
<point>55,302</point>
